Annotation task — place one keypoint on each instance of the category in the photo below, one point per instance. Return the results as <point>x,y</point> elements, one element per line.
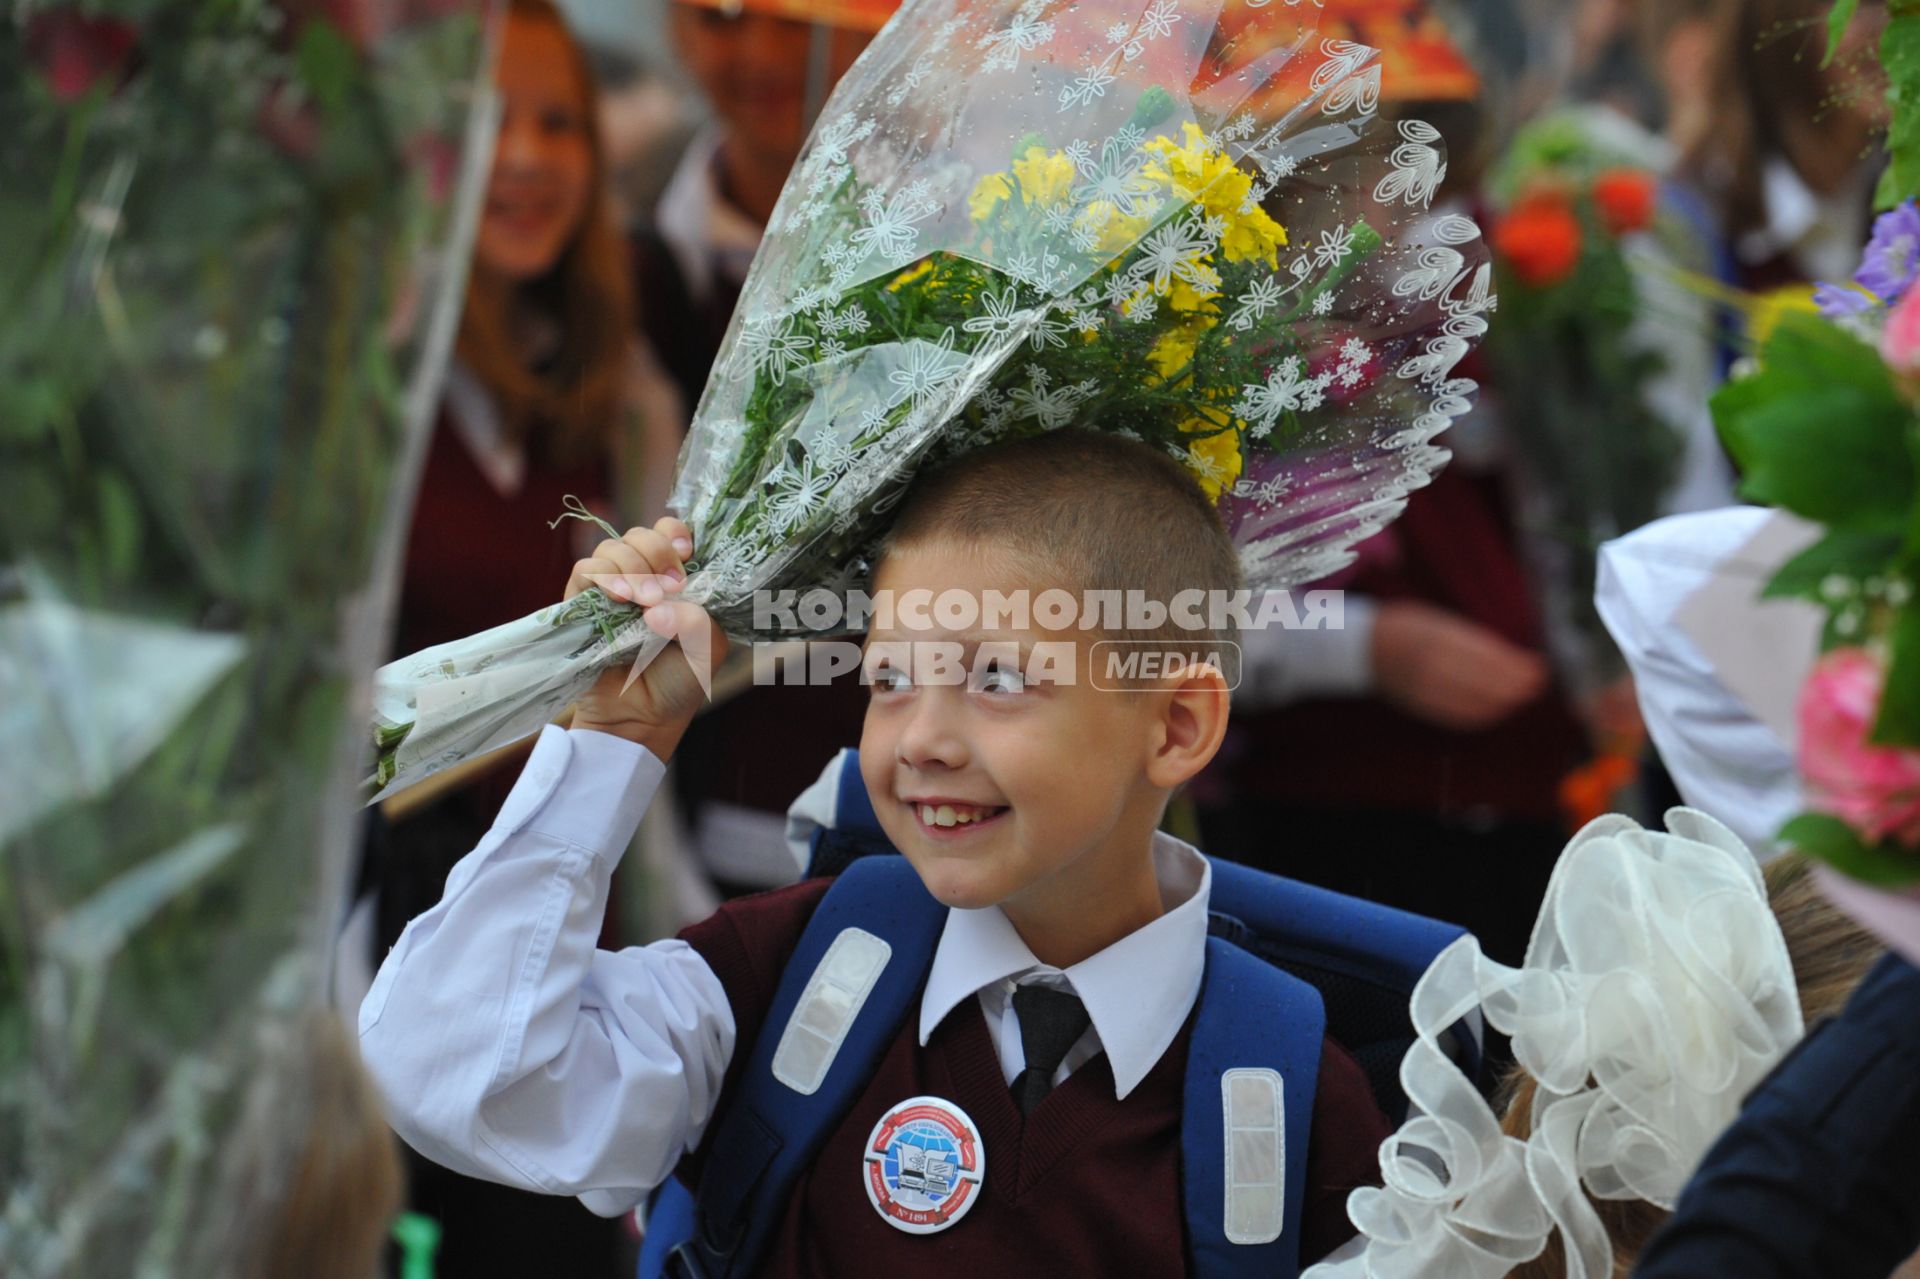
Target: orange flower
<point>1592,789</point>
<point>1625,198</point>
<point>1540,240</point>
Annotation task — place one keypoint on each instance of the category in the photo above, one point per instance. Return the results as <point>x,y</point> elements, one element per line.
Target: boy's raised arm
<point>509,1047</point>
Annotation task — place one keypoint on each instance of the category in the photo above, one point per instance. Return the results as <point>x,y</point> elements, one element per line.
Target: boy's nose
<point>931,738</point>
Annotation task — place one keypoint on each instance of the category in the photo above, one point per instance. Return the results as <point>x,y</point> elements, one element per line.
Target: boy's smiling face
<point>1060,779</point>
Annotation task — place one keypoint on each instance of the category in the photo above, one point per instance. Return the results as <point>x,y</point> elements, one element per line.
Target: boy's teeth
<point>948,815</point>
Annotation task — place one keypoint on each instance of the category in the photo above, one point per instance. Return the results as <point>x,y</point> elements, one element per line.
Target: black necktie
<point>1051,1022</point>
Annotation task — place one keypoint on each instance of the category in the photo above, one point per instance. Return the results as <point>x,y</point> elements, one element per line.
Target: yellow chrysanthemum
<point>915,272</point>
<point>1197,172</point>
<point>1189,299</point>
<point>988,192</point>
<point>1253,236</point>
<point>1116,231</point>
<point>1214,459</point>
<point>1045,176</point>
<point>1209,178</point>
<point>1174,351</point>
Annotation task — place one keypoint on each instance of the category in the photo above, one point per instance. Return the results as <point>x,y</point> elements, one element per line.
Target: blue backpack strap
<point>1252,1069</point>
<point>878,923</point>
<point>840,812</point>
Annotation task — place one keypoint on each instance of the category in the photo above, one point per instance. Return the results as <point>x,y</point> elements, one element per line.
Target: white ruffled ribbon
<point>1655,993</point>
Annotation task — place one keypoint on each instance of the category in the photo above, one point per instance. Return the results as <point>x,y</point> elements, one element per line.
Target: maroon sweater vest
<point>1086,1185</point>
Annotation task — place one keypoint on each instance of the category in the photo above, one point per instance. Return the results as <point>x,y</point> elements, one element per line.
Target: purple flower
<point>1836,300</point>
<point>1893,254</point>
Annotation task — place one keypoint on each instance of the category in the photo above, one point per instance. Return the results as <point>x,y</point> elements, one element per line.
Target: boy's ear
<point>1193,710</point>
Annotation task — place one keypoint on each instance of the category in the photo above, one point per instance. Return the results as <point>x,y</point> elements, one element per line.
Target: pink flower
<point>1874,789</point>
<point>1900,340</point>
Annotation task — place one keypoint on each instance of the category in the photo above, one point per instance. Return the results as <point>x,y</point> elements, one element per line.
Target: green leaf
<point>1155,105</point>
<point>327,63</point>
<point>1898,723</point>
<point>1838,20</point>
<point>1900,57</point>
<point>1835,456</point>
<point>1848,552</point>
<point>119,527</point>
<point>1887,192</point>
<point>1821,429</point>
<point>1828,839</point>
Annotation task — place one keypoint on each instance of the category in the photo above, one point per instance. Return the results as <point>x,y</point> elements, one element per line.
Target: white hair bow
<point>1656,992</point>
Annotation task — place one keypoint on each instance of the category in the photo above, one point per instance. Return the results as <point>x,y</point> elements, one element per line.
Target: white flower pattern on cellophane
<point>947,92</point>
<point>823,404</point>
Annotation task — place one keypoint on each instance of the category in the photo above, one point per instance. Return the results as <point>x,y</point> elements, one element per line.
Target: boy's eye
<point>890,679</point>
<point>1002,679</point>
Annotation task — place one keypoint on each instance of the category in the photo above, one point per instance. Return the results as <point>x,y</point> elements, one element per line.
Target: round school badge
<point>924,1163</point>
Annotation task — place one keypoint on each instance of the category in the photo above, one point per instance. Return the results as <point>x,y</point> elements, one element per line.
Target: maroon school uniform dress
<point>1356,795</point>
<point>477,557</point>
<point>1085,1185</point>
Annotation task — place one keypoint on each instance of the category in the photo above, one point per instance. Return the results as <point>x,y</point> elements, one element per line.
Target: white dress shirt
<point>706,233</point>
<point>510,1048</point>
<point>1137,992</point>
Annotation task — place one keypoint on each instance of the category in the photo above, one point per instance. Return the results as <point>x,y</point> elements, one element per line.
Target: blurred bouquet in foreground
<point>1574,361</point>
<point>231,245</point>
<point>1824,425</point>
<point>1185,223</point>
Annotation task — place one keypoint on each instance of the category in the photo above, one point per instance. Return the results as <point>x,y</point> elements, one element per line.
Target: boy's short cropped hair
<point>1095,512</point>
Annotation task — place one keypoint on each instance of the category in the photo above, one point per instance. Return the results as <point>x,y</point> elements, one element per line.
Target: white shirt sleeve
<point>507,1045</point>
<point>1281,664</point>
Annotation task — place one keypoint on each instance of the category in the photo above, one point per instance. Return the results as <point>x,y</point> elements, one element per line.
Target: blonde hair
<point>345,1187</point>
<point>1102,512</point>
<point>1829,953</point>
<point>570,411</point>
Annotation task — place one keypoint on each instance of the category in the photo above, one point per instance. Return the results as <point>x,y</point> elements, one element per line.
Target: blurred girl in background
<point>551,394</point>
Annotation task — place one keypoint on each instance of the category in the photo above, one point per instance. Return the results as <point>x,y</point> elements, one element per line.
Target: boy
<point>1055,1016</point>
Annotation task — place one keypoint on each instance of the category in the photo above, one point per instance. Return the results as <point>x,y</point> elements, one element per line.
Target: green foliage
<point>1900,56</point>
<point>1821,430</point>
<point>201,416</point>
<point>1573,376</point>
<point>1828,839</point>
<point>1898,723</point>
<point>1838,20</point>
<point>1851,554</point>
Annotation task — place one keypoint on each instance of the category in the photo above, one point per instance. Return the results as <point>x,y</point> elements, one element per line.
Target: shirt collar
<point>476,419</point>
<point>704,232</point>
<point>1137,991</point>
<point>1822,231</point>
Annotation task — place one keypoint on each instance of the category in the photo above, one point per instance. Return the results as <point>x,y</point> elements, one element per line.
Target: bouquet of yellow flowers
<point>1183,222</point>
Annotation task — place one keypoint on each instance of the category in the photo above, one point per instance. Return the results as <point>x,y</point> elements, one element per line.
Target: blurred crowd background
<point>1466,718</point>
